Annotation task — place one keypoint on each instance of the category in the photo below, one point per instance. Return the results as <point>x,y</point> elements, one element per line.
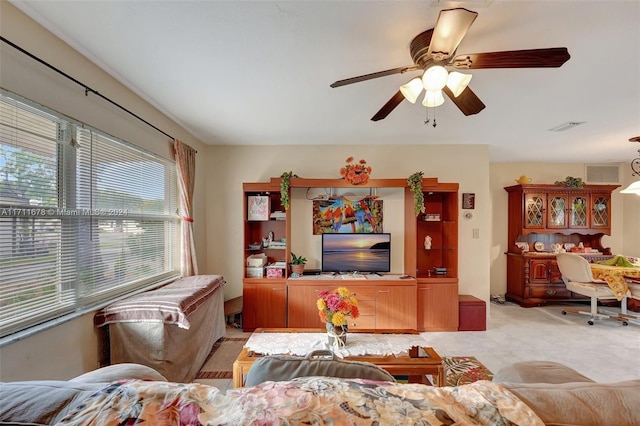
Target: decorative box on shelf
<point>254,272</point>
<point>431,217</point>
<point>278,215</point>
<point>276,270</point>
<point>257,260</point>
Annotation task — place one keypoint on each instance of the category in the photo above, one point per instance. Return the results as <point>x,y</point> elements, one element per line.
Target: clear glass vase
<point>337,334</point>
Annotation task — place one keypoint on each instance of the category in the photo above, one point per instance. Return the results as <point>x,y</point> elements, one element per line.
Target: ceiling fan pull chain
<point>434,118</point>
<point>426,120</point>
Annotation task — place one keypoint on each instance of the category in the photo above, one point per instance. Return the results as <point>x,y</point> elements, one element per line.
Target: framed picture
<point>344,216</point>
<point>257,207</point>
<point>468,200</point>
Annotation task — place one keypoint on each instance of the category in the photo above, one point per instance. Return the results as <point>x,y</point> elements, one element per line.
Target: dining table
<point>615,277</point>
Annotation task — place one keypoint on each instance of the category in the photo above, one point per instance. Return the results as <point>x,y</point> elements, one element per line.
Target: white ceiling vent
<point>461,3</point>
<point>566,126</point>
<point>602,173</point>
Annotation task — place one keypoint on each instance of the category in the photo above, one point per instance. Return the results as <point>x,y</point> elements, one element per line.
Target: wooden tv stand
<point>386,301</point>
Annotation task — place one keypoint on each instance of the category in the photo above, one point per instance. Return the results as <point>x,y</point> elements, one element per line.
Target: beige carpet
<point>219,365</point>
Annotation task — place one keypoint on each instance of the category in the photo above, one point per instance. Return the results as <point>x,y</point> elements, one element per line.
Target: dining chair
<point>577,276</point>
<point>633,283</point>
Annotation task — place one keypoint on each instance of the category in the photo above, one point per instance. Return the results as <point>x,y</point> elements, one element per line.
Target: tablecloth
<point>614,276</point>
<point>358,344</point>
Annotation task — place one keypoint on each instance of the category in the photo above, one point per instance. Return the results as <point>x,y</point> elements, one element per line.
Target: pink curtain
<point>186,162</point>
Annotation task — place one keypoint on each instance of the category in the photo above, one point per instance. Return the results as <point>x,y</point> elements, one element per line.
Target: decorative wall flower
<point>356,173</point>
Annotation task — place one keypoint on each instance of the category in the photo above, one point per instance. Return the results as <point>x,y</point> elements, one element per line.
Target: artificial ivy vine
<point>284,188</point>
<point>415,184</point>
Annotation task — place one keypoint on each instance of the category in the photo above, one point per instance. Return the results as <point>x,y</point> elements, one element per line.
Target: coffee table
<point>416,364</point>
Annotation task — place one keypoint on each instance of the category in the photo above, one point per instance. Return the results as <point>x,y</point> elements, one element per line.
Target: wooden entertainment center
<point>541,215</point>
<point>421,297</point>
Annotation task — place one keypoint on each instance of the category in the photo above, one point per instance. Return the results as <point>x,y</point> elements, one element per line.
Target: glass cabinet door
<point>557,211</point>
<point>578,213</point>
<point>534,211</point>
<point>600,211</point>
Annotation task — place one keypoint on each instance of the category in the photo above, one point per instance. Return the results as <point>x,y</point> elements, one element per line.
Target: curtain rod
<point>87,89</point>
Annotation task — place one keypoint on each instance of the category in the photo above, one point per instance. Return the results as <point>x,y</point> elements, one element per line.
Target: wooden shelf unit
<point>427,301</point>
<point>437,293</point>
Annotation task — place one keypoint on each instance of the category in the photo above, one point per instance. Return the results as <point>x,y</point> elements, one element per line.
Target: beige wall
<point>466,164</point>
<point>631,215</point>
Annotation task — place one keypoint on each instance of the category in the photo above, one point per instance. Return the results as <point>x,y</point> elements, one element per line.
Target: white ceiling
<point>258,72</point>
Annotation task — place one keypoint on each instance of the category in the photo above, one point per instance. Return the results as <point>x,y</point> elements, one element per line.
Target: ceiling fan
<point>437,47</point>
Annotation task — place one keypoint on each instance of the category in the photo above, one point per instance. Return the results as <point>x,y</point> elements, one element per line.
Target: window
<point>84,217</point>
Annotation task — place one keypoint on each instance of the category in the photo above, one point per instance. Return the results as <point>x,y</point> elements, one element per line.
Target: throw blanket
<point>306,400</point>
<point>171,304</point>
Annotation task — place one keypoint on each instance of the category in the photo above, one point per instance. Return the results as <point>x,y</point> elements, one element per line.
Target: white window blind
<point>84,217</point>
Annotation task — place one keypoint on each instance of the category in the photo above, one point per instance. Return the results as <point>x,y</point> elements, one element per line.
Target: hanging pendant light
<point>634,187</point>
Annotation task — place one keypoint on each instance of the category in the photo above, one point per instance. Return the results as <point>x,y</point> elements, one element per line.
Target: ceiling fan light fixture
<point>412,89</point>
<point>633,188</point>
<point>457,82</point>
<point>433,98</point>
<point>435,78</point>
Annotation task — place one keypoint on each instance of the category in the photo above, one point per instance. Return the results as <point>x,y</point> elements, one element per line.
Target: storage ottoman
<point>472,313</point>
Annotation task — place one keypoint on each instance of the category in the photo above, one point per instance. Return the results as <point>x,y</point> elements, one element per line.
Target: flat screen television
<point>343,252</point>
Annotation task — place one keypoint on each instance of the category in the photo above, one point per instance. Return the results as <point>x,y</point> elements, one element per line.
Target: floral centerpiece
<point>334,307</point>
<point>356,173</point>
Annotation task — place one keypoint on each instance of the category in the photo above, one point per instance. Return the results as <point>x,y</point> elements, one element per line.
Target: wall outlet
<point>476,233</point>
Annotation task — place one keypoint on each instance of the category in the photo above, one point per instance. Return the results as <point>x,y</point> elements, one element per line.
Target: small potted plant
<point>297,264</point>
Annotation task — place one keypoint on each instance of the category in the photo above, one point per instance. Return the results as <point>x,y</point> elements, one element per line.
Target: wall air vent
<point>566,126</point>
<point>602,173</point>
<point>461,3</point>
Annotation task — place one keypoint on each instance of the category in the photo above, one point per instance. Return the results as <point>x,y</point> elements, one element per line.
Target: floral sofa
<point>132,394</point>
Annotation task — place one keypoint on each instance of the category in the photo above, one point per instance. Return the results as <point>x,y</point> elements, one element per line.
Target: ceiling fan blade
<point>531,58</point>
<point>389,106</point>
<point>399,70</point>
<point>451,27</point>
<point>467,101</point>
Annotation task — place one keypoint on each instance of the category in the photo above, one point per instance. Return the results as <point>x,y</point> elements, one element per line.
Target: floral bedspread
<point>307,400</point>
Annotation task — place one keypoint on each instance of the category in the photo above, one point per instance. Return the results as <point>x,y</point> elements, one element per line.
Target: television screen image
<point>356,252</point>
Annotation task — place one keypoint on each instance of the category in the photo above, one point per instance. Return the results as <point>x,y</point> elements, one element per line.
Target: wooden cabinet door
<point>302,307</point>
<point>535,205</point>
<point>601,211</point>
<point>555,276</point>
<point>265,305</point>
<point>539,271</point>
<point>396,307</point>
<point>437,306</point>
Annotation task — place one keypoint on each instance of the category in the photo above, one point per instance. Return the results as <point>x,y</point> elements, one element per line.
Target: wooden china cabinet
<point>541,215</point>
